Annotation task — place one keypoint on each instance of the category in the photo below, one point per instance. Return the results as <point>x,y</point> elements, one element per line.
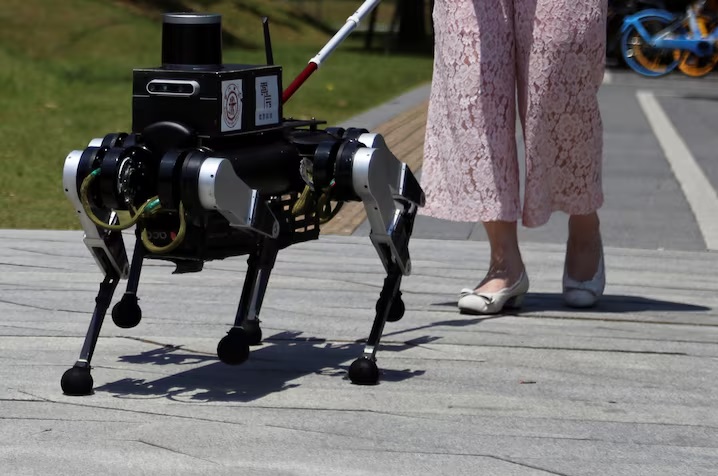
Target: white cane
<point>324,53</point>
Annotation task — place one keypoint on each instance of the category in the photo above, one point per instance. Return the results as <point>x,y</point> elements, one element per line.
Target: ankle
<point>583,259</point>
<point>584,231</point>
<point>501,275</point>
<point>583,245</point>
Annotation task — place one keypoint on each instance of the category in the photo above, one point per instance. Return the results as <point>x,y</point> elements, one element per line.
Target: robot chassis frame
<point>245,220</point>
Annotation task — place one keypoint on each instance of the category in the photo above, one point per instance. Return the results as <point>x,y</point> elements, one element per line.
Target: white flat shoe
<point>583,294</point>
<point>473,302</point>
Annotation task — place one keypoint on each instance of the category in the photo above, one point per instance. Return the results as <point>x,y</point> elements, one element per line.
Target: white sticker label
<point>231,105</point>
<point>267,92</point>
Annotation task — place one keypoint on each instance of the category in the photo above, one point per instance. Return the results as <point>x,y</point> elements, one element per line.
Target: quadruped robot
<point>212,170</point>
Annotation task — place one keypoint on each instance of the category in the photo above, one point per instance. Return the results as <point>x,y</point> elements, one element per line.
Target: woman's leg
<point>470,170</point>
<point>560,56</point>
<point>498,59</point>
<point>583,248</point>
<point>506,265</point>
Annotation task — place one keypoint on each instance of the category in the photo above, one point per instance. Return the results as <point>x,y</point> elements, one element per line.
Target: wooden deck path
<point>404,134</point>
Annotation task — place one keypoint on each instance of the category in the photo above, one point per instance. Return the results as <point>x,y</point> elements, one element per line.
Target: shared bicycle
<point>656,42</point>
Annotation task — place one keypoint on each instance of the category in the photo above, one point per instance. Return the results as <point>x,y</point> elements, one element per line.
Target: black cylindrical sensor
<point>191,40</point>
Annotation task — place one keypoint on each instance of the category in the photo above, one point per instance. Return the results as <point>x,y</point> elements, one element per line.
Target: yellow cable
<point>150,207</point>
<point>174,243</point>
<point>300,206</point>
<point>84,198</point>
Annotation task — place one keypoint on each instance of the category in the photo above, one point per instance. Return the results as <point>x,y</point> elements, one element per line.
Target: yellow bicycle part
<point>693,65</point>
<point>653,59</point>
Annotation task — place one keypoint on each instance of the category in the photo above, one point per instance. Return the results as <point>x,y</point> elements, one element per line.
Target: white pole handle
<point>351,23</point>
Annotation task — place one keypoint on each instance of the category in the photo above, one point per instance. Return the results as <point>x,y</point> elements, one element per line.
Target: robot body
<point>211,170</point>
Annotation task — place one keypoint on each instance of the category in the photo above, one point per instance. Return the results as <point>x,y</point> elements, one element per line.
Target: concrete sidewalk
<point>628,388</point>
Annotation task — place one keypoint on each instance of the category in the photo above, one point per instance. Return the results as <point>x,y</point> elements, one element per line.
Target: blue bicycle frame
<point>670,38</point>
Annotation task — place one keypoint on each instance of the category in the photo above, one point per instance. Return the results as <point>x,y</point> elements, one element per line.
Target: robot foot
<point>233,349</point>
<point>364,371</point>
<point>77,381</point>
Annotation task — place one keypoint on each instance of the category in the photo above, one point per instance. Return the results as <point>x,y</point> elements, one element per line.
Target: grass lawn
<point>66,72</point>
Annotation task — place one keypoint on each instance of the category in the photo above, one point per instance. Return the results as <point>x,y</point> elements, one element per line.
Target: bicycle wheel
<point>644,58</point>
<point>690,63</point>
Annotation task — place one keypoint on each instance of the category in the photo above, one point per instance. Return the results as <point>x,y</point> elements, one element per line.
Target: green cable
<point>150,205</point>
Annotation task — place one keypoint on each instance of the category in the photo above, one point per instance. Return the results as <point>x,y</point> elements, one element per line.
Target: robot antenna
<point>267,41</point>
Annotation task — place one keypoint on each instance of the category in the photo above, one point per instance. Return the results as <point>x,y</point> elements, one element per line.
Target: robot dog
<point>212,170</point>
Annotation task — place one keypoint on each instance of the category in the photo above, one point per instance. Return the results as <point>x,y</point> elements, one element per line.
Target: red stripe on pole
<point>298,81</point>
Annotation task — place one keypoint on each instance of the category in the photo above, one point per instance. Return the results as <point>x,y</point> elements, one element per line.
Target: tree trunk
<point>412,23</point>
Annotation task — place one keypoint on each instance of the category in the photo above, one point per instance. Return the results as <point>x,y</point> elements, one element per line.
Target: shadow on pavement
<point>609,303</point>
<point>285,357</point>
<point>271,368</point>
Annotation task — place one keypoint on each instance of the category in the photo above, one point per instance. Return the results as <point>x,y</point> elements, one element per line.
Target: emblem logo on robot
<point>231,105</point>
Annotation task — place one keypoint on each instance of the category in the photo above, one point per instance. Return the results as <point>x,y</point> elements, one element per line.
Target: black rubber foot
<point>77,381</point>
<point>397,309</point>
<point>252,331</point>
<point>233,349</point>
<point>364,371</point>
<point>127,313</point>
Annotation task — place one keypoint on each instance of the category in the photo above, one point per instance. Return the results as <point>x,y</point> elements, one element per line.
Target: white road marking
<point>696,187</point>
<point>607,77</point>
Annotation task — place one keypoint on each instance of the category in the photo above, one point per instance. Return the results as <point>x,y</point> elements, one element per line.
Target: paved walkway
<point>628,388</point>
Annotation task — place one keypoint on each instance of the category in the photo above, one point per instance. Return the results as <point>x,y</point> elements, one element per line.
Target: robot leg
<point>108,250</point>
<point>77,380</point>
<point>233,349</point>
<point>127,313</point>
<point>391,196</point>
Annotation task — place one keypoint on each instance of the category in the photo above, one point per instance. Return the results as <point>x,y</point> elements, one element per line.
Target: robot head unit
<point>193,90</point>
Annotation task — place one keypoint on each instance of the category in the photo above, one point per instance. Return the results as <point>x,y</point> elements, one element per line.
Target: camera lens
<point>173,87</point>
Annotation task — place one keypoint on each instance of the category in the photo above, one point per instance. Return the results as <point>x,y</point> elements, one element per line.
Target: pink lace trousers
<point>547,57</point>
